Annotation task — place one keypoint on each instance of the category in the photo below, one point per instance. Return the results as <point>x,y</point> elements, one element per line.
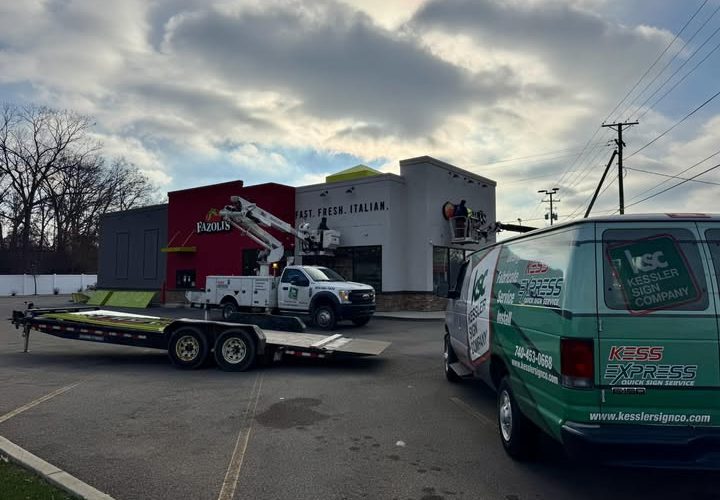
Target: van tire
<point>324,317</point>
<point>517,433</point>
<point>228,308</point>
<point>449,357</point>
<point>188,348</point>
<point>235,351</point>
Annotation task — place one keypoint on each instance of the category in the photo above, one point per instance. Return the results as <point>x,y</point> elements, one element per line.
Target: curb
<point>49,472</point>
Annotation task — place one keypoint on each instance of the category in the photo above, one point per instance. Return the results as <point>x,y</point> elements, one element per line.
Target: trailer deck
<point>189,339</point>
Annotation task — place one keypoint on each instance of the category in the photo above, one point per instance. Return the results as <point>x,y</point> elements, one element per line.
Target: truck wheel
<point>517,433</point>
<point>228,308</point>
<point>324,317</point>
<point>188,348</point>
<point>235,351</point>
<point>361,321</point>
<point>449,358</point>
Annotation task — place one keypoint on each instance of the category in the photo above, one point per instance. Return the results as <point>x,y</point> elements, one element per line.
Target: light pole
<point>550,193</point>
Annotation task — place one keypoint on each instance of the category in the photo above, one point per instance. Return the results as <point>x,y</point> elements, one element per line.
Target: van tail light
<point>577,363</point>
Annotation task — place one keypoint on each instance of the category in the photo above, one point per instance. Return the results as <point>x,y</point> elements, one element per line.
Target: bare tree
<point>35,144</point>
<point>55,187</point>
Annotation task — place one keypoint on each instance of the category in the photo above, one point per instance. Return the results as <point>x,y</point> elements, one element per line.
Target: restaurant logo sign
<point>213,223</point>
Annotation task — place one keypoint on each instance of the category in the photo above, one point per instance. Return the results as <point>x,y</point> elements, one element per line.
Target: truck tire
<point>449,358</point>
<point>229,307</point>
<point>188,348</point>
<point>361,321</point>
<point>517,433</point>
<point>324,317</point>
<point>235,351</point>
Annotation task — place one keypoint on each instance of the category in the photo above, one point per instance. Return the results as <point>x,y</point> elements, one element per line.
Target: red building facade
<point>200,244</point>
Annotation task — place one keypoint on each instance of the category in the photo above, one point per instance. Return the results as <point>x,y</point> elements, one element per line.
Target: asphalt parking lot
<point>128,423</point>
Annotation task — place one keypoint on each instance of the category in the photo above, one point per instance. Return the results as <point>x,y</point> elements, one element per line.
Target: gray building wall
<point>130,242</point>
<point>430,183</point>
<point>411,222</point>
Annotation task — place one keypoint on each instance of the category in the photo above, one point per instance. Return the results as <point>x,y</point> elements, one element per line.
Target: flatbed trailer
<point>189,342</point>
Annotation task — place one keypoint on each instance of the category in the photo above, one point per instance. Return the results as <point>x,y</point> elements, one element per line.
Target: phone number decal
<point>535,357</point>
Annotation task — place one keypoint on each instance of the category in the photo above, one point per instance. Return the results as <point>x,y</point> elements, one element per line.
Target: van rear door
<point>658,357</point>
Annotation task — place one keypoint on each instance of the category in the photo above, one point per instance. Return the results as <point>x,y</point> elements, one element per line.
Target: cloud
<point>196,92</point>
<point>335,61</point>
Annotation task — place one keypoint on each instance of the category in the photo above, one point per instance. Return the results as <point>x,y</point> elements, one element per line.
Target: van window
<point>533,272</point>
<point>647,270</point>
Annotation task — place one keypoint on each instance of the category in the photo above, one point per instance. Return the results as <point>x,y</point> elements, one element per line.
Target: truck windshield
<point>323,274</point>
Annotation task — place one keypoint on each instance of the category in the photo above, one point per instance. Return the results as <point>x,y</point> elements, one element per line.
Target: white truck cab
<point>311,291</point>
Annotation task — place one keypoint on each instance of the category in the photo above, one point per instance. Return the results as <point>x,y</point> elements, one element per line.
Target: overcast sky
<point>198,91</point>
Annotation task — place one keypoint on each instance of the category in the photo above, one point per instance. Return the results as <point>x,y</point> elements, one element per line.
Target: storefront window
<point>361,264</point>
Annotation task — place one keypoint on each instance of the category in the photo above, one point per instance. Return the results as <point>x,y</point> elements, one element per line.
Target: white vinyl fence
<point>44,284</point>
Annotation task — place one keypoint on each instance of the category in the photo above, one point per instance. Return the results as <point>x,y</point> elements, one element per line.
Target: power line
<point>572,152</point>
<point>679,173</point>
<point>655,62</point>
<point>679,81</point>
<point>672,59</point>
<point>689,58</point>
<point>675,124</point>
<point>587,200</point>
<point>671,176</point>
<point>675,185</point>
<point>587,169</point>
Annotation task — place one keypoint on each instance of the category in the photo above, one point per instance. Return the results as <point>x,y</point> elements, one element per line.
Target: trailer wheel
<point>324,317</point>
<point>235,351</point>
<point>188,348</point>
<point>517,432</point>
<point>229,308</point>
<point>361,321</point>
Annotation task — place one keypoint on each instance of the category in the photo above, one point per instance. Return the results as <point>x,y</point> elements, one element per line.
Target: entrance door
<point>658,355</point>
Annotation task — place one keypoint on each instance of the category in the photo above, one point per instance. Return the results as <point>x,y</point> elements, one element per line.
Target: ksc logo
<point>646,262</point>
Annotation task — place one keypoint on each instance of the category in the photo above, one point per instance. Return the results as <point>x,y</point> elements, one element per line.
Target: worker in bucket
<point>461,215</point>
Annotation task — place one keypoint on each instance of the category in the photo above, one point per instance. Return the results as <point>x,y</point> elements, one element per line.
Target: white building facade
<point>394,231</point>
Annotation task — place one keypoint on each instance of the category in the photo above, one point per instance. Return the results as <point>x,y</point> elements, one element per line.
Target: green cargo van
<point>602,333</point>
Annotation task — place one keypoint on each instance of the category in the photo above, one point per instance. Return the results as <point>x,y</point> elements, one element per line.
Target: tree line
<point>55,184</point>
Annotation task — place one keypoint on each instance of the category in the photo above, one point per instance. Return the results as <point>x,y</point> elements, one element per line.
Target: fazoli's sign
<point>213,223</point>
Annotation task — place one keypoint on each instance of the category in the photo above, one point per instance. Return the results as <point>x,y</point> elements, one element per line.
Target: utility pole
<point>551,193</point>
<point>618,127</point>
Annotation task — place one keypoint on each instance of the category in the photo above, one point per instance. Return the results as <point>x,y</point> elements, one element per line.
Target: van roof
<point>656,217</point>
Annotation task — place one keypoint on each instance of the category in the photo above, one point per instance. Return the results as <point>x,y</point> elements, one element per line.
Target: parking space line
<point>32,404</point>
<point>233,473</point>
<point>472,411</point>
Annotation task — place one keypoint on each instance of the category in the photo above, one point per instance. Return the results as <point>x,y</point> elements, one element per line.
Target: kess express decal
<point>640,365</point>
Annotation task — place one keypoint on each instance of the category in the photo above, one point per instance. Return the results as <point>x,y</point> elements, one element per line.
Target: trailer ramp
<point>325,344</point>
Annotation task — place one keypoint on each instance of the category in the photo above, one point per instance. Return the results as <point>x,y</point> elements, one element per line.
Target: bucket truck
<point>313,292</point>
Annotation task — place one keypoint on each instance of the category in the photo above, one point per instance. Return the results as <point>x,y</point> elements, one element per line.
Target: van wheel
<point>324,317</point>
<point>517,433</point>
<point>229,308</point>
<point>235,351</point>
<point>188,348</point>
<point>449,358</point>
